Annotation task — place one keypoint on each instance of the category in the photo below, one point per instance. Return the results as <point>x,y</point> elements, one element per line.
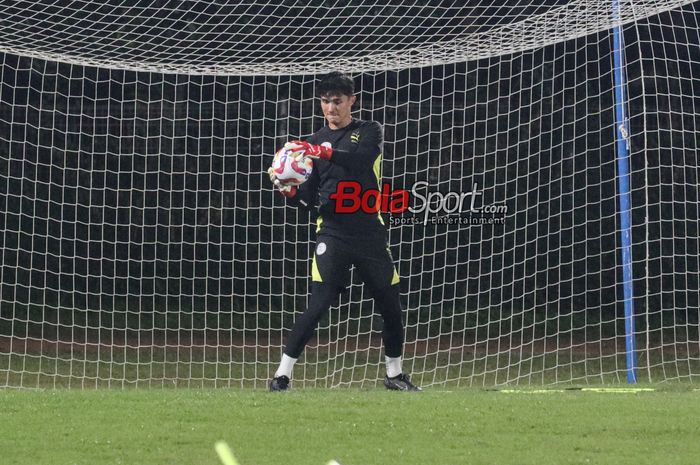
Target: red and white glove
<point>287,191</point>
<point>310,150</point>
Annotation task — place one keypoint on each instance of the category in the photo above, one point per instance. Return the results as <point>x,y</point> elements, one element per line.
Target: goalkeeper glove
<point>310,150</point>
<point>287,191</point>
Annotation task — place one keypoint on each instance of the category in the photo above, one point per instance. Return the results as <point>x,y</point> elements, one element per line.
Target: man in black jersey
<point>347,149</point>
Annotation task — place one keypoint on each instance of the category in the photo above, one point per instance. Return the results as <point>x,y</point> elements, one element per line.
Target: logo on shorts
<point>320,248</point>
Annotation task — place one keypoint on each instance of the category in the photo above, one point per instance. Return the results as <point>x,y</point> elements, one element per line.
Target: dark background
<point>135,201</point>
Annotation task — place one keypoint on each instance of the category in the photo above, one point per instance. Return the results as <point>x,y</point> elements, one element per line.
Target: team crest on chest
<point>355,137</point>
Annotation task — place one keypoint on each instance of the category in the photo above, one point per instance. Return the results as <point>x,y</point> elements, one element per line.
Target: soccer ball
<point>288,170</point>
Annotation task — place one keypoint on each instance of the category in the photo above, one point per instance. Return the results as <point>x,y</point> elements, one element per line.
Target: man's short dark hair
<point>335,83</point>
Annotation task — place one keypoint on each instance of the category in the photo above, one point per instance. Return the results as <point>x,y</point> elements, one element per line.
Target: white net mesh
<point>143,245</point>
<point>283,38</point>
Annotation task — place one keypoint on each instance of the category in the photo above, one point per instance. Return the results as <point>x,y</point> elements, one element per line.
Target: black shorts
<point>334,257</point>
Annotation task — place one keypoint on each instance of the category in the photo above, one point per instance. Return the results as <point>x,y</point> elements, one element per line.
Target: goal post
<point>143,245</point>
<point>622,145</point>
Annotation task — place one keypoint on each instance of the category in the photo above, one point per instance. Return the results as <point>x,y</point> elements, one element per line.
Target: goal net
<point>143,245</point>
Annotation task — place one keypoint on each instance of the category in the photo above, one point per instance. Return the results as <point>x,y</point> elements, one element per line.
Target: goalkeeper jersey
<point>357,156</point>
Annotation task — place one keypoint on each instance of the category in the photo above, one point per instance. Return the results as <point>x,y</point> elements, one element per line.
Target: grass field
<point>354,427</point>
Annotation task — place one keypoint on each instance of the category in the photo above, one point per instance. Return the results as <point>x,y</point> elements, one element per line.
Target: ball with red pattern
<point>291,167</point>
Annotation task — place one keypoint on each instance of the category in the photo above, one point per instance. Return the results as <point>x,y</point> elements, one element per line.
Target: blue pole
<point>622,142</point>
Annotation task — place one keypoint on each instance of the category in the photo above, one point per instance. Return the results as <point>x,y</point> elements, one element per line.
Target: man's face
<point>337,109</point>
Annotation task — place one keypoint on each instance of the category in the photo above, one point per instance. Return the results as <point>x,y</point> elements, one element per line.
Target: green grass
<point>355,427</point>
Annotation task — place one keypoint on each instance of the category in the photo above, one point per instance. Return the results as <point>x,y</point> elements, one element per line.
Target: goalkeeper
<point>346,149</point>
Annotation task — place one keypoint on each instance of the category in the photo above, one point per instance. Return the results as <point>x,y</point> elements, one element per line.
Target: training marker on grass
<point>530,391</point>
<point>616,390</point>
<point>225,453</point>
